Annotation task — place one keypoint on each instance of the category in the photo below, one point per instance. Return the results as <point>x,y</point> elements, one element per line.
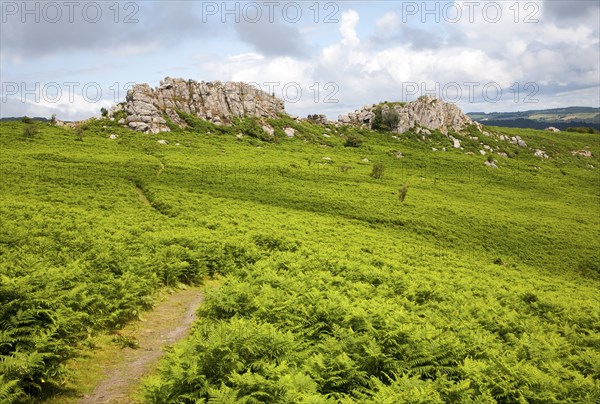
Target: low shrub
<point>353,141</point>
<point>402,193</point>
<point>581,129</point>
<point>30,131</point>
<point>377,171</point>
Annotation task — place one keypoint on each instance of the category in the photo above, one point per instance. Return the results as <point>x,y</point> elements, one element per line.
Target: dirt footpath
<point>169,322</point>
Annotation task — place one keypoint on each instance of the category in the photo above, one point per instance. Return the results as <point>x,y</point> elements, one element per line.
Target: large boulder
<point>425,112</point>
<point>216,102</point>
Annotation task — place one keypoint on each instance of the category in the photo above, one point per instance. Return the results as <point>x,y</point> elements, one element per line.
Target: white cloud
<point>551,34</point>
<point>73,107</point>
<point>387,24</point>
<point>129,50</point>
<point>365,74</point>
<point>281,75</point>
<point>348,24</point>
<point>245,57</point>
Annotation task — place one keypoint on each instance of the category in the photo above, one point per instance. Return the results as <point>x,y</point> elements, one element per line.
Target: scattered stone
<point>552,129</point>
<point>318,119</point>
<point>268,130</point>
<point>541,154</point>
<point>486,147</point>
<point>399,155</point>
<point>239,136</point>
<point>327,158</point>
<point>583,153</point>
<point>162,141</point>
<point>289,132</point>
<point>456,142</point>
<point>482,152</point>
<point>443,149</point>
<point>434,149</point>
<point>491,164</point>
<point>326,135</point>
<point>502,154</point>
<point>113,136</point>
<point>518,141</point>
<point>365,160</point>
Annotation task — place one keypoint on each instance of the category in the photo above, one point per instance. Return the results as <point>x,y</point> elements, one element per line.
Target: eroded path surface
<point>167,323</point>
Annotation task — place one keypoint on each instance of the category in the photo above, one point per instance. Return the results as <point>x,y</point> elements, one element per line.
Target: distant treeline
<point>531,124</point>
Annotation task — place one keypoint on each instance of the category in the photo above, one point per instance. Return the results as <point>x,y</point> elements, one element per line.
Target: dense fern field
<point>481,286</point>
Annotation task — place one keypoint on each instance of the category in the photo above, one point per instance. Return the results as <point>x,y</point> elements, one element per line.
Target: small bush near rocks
<point>385,121</point>
<point>353,141</point>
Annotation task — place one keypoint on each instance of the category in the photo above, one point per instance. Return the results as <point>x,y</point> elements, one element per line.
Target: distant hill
<point>18,118</point>
<point>560,118</point>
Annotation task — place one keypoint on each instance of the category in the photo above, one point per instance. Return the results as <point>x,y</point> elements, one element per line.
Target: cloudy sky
<point>331,57</point>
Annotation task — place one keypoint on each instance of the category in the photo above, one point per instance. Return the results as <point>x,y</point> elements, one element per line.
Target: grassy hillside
<point>482,286</point>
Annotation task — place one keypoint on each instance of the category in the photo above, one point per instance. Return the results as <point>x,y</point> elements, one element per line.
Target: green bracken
<point>482,286</point>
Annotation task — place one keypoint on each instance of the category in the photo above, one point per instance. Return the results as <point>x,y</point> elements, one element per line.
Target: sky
<point>71,58</point>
